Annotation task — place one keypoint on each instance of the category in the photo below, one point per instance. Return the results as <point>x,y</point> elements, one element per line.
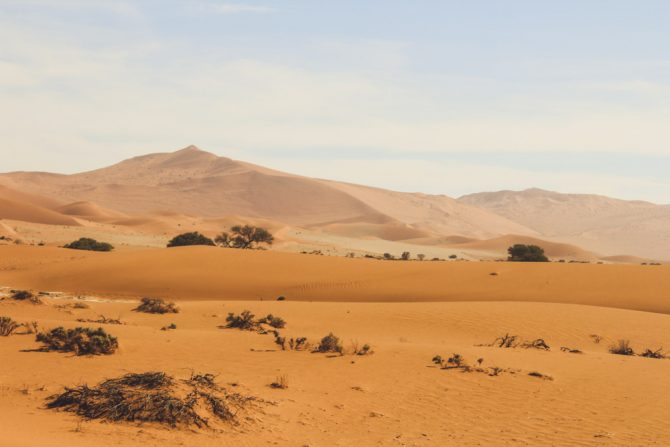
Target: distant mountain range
<point>193,182</point>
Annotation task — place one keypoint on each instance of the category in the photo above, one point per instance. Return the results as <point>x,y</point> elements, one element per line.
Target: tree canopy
<point>86,243</point>
<point>246,236</point>
<point>526,253</point>
<point>193,238</point>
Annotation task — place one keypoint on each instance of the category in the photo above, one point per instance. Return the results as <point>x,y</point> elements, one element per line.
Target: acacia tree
<point>526,253</point>
<point>245,236</point>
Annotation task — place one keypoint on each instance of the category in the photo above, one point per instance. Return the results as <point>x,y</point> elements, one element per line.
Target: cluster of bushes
<point>239,236</point>
<point>81,341</point>
<point>86,243</point>
<point>623,347</point>
<point>247,321</point>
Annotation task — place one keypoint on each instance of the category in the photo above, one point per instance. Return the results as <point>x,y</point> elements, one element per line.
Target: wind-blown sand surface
<point>395,396</point>
<point>211,273</point>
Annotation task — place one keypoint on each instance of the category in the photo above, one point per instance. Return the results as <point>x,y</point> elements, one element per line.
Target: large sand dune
<point>214,273</point>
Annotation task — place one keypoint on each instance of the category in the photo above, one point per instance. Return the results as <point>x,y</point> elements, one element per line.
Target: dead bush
<point>153,397</point>
<point>7,326</point>
<point>81,341</point>
<point>156,306</point>
<point>102,320</point>
<point>25,295</point>
<point>535,344</point>
<point>280,382</point>
<point>657,354</point>
<point>622,347</point>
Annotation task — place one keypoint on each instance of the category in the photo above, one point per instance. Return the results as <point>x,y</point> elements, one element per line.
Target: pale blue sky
<point>444,96</point>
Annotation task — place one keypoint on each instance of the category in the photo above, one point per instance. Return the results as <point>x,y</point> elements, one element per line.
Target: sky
<point>437,96</point>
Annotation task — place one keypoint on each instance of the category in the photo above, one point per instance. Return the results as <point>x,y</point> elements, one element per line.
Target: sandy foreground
<point>407,311</point>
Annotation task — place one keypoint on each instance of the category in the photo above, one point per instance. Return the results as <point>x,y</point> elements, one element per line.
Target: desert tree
<point>193,238</point>
<point>245,236</point>
<point>526,253</point>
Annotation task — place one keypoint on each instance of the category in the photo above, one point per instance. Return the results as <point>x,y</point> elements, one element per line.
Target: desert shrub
<point>536,344</point>
<point>453,256</point>
<point>456,360</point>
<point>421,256</point>
<point>405,255</point>
<point>156,306</point>
<point>86,243</point>
<point>275,322</point>
<point>506,341</point>
<point>244,321</point>
<point>31,327</point>
<point>571,350</point>
<point>330,343</point>
<point>388,256</point>
<point>81,341</point>
<point>24,295</point>
<point>101,320</point>
<point>280,382</point>
<point>193,238</point>
<point>153,397</point>
<point>169,327</point>
<point>539,375</point>
<point>245,236</point>
<point>438,360</point>
<point>281,298</point>
<point>657,354</point>
<point>622,347</point>
<point>526,253</point>
<point>7,326</point>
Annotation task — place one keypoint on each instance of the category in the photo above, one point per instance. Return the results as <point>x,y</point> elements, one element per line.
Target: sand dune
<point>89,211</point>
<point>332,401</point>
<point>598,223</point>
<point>552,249</point>
<point>215,273</point>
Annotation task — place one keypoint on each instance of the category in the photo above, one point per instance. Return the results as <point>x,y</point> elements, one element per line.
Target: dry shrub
<point>280,382</point>
<point>657,354</point>
<point>169,327</point>
<point>539,375</point>
<point>622,347</point>
<point>102,320</point>
<point>330,343</point>
<point>535,344</point>
<point>244,321</point>
<point>81,341</point>
<point>570,350</point>
<point>25,295</point>
<point>7,326</point>
<point>273,321</point>
<point>506,341</point>
<point>156,306</point>
<point>153,397</point>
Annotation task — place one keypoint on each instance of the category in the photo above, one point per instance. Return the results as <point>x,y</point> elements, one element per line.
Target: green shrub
<point>193,238</point>
<point>86,243</point>
<point>81,341</point>
<point>526,253</point>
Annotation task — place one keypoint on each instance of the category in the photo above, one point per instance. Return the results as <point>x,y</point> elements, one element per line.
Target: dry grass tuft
<point>7,326</point>
<point>622,347</point>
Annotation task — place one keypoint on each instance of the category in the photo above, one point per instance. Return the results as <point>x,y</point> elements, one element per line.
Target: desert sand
<point>407,311</point>
<point>396,396</point>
